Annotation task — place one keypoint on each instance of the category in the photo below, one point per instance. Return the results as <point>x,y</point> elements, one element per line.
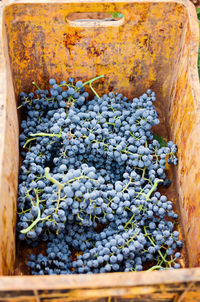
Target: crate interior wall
<point>156,47</point>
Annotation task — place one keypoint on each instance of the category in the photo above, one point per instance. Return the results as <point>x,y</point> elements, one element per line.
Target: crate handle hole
<point>95,19</point>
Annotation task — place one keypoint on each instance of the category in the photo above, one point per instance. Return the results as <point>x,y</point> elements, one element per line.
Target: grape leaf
<point>160,139</point>
<point>116,15</point>
<point>198,13</point>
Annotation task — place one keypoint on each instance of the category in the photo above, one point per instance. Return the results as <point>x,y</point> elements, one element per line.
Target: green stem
<point>58,201</point>
<point>143,173</point>
<point>127,243</point>
<point>50,178</point>
<point>79,217</point>
<point>122,190</point>
<point>128,184</point>
<point>28,141</point>
<point>113,124</point>
<point>46,134</point>
<point>32,202</point>
<point>155,267</point>
<point>81,177</point>
<point>159,252</point>
<point>94,91</point>
<point>23,212</point>
<point>25,231</point>
<point>36,85</point>
<point>129,221</point>
<point>91,81</point>
<point>153,188</point>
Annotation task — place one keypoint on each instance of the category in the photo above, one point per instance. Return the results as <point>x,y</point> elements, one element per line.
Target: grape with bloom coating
<point>90,180</point>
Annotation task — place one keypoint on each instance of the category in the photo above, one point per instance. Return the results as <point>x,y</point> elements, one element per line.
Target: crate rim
<point>5,3</point>
<point>95,281</point>
<point>8,2</point>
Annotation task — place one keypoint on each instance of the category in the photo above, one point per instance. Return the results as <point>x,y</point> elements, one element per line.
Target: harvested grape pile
<point>89,182</point>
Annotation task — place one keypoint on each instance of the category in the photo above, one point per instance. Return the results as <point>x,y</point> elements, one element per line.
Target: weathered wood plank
<point>8,159</point>
<point>161,292</point>
<point>169,278</point>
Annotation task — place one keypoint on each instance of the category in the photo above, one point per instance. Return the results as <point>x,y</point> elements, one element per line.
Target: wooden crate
<point>155,45</point>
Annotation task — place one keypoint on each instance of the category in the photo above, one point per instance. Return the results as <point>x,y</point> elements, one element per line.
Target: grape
<point>52,82</point>
<point>89,181</point>
<point>57,260</point>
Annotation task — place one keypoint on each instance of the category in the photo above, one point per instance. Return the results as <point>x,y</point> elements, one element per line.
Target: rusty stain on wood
<point>72,38</point>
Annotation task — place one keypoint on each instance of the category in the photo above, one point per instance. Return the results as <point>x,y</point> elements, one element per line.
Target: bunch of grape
<point>57,260</point>
<point>91,172</point>
<point>125,251</point>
